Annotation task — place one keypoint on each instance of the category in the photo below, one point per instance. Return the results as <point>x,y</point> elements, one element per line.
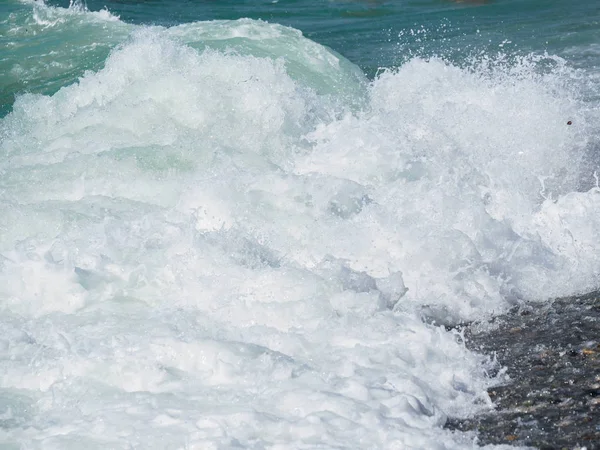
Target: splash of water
<point>202,241</point>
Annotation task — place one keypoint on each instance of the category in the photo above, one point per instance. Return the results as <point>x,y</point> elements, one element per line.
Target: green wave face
<point>313,65</point>
<point>52,47</point>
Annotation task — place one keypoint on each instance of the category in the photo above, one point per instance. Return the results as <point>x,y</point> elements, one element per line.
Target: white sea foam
<point>51,16</point>
<point>202,250</point>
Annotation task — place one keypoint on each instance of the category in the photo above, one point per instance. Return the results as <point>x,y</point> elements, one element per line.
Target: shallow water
<point>223,233</point>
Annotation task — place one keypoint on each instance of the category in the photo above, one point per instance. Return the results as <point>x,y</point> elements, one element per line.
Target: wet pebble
<point>552,356</point>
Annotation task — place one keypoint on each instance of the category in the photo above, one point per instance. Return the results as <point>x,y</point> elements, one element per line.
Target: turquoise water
<point>253,224</point>
<point>371,34</point>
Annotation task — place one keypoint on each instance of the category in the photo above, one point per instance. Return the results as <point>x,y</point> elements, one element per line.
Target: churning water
<point>222,234</point>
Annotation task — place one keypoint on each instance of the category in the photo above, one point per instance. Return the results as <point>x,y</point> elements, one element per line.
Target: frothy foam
<point>198,245</point>
<point>50,16</point>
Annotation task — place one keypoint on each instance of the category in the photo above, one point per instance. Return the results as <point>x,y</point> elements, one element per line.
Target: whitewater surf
<point>223,234</point>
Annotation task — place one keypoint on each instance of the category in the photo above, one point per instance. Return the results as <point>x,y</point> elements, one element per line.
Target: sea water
<point>256,224</point>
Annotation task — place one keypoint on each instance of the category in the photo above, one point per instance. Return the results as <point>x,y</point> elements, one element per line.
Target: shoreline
<point>551,353</point>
